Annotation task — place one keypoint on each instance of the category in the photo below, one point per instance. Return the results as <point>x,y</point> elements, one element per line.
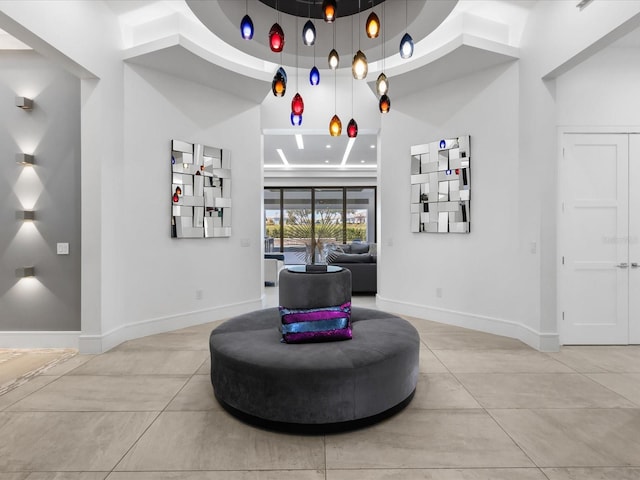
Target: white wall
<point>601,91</point>
<point>162,274</point>
<point>479,273</point>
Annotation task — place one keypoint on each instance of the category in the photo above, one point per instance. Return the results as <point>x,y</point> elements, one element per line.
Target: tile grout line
<point>155,419</point>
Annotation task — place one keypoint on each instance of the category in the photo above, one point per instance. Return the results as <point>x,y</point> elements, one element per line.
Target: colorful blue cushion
<point>316,324</point>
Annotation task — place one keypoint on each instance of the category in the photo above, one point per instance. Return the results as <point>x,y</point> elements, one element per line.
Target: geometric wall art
<point>440,186</point>
<point>200,191</point>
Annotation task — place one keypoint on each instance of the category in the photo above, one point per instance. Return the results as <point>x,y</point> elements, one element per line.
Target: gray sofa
<point>359,258</point>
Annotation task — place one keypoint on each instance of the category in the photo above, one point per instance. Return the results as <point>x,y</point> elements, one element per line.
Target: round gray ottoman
<point>314,387</point>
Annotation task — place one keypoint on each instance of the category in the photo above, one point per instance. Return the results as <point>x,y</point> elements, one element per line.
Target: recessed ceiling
<point>320,151</point>
<point>223,17</point>
<point>313,8</point>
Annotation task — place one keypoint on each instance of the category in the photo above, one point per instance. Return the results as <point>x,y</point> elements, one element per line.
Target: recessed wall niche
<point>200,191</point>
<point>440,186</point>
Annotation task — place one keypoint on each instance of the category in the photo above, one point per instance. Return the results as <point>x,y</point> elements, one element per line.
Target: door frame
<point>561,235</point>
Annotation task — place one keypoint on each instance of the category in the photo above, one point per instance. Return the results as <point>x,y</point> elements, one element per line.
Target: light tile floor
<point>486,408</point>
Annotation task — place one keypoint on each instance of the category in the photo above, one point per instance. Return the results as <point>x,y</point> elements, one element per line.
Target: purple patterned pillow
<point>316,324</point>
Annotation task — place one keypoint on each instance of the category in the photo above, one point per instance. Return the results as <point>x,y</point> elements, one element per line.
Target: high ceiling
<point>200,41</point>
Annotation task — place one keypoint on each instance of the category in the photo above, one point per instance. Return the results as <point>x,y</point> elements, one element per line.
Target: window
<point>303,222</point>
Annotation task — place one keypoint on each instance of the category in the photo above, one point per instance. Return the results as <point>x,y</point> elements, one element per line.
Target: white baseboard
<point>544,342</point>
<point>39,339</point>
<point>108,340</point>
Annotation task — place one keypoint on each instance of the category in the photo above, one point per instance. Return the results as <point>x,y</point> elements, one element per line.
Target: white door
<point>594,245</point>
<point>634,239</point>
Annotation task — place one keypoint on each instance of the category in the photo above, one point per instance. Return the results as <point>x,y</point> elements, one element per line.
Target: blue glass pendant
<point>314,76</point>
<point>406,46</point>
<point>296,120</point>
<point>246,28</point>
<point>309,33</point>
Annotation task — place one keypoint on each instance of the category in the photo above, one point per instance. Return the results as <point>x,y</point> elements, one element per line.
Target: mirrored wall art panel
<point>200,191</point>
<point>440,186</point>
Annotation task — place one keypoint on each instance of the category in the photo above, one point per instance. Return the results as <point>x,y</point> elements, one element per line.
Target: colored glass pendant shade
<point>406,46</point>
<point>279,83</point>
<point>334,59</point>
<point>382,84</point>
<point>372,27</point>
<point>246,27</point>
<point>335,126</point>
<point>296,120</point>
<point>352,129</point>
<point>297,104</point>
<point>276,38</point>
<point>359,67</point>
<point>384,104</point>
<point>309,33</point>
<point>314,76</point>
<point>329,10</point>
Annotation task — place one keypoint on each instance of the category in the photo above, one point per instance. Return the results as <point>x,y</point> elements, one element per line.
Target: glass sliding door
<point>272,219</point>
<point>361,214</point>
<point>328,220</point>
<point>297,225</point>
<point>302,222</point>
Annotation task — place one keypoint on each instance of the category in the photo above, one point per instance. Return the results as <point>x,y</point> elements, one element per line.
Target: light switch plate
<point>62,249</point>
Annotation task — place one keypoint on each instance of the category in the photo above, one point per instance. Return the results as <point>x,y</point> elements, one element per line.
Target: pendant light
<point>246,27</point>
<point>384,104</point>
<point>359,67</point>
<point>276,38</point>
<point>352,129</point>
<point>314,73</point>
<point>297,104</point>
<point>334,59</point>
<point>246,24</point>
<point>314,76</point>
<point>406,44</point>
<point>352,126</point>
<point>329,10</point>
<point>309,33</point>
<point>372,27</point>
<point>296,120</point>
<point>382,84</point>
<point>279,83</point>
<point>335,126</point>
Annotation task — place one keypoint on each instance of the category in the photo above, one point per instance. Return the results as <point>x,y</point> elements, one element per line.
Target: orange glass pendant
<point>372,27</point>
<point>335,126</point>
<point>385,104</point>
<point>279,83</point>
<point>329,10</point>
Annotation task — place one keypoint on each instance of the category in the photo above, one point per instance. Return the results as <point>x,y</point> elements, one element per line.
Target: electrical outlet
<point>198,294</point>
<point>439,292</point>
<point>62,249</point>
